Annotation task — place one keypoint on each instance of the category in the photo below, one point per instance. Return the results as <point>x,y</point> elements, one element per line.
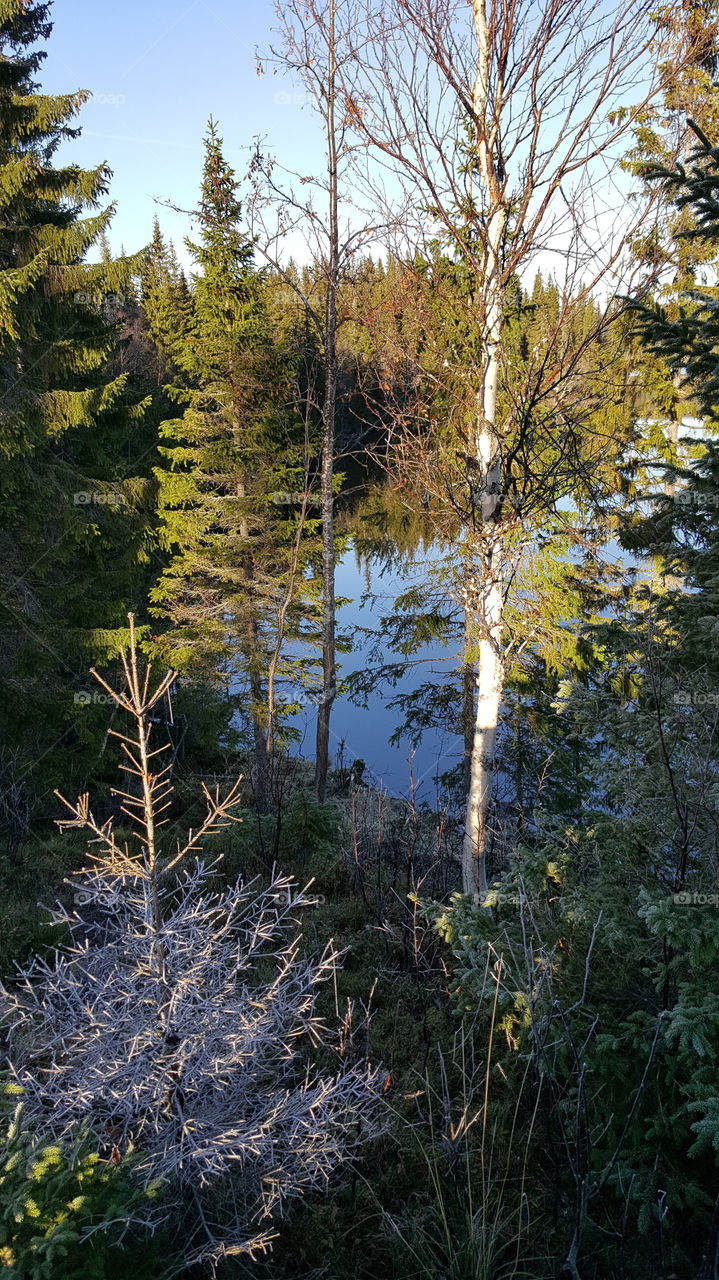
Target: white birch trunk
<point>489,679</point>
<point>485,599</point>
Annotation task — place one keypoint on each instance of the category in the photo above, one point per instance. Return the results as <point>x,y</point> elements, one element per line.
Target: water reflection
<point>371,574</point>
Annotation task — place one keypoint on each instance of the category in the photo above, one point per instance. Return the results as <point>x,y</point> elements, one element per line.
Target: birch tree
<point>502,123</point>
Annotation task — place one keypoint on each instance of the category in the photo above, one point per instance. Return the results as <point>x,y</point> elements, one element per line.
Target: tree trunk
<point>469,684</point>
<point>255,678</point>
<point>329,671</point>
<point>329,668</point>
<point>257,699</point>
<point>489,679</point>
<point>485,596</point>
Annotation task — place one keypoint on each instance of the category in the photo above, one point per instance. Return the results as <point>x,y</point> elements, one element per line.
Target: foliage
<point>65,1211</point>
<point>603,922</point>
<point>549,1054</point>
<point>233,490</point>
<point>74,508</point>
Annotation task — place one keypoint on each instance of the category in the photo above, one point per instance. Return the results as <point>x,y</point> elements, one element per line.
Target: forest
<point>359,711</point>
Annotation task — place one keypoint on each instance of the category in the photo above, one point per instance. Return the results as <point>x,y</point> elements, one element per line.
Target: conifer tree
<point>156,1029</point>
<point>688,340</point>
<point>74,532</point>
<point>165,300</point>
<point>234,477</point>
<point>682,528</point>
<point>664,137</point>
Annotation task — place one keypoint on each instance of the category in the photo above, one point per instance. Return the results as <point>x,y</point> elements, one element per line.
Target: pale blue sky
<point>159,69</point>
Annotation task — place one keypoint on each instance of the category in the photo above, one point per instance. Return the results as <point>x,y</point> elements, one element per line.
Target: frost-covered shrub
<point>172,1024</point>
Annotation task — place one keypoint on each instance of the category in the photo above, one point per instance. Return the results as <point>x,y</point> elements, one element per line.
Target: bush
<point>171,1024</point>
<point>63,1210</point>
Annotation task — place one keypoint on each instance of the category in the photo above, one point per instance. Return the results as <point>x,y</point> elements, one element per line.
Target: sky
<point>158,69</point>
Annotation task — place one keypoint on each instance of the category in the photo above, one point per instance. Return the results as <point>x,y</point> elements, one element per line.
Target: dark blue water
<point>372,585</point>
<point>363,734</point>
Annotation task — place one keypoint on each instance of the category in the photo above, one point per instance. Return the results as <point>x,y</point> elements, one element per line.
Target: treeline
<point>161,437</point>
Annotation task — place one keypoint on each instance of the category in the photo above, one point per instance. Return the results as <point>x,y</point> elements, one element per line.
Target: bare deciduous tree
<point>312,32</point>
<point>502,123</point>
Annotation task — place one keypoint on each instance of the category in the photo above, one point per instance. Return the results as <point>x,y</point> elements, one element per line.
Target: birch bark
<point>485,595</point>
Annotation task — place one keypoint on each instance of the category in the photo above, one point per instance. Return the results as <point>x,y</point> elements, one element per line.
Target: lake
<point>371,581</point>
<point>359,733</point>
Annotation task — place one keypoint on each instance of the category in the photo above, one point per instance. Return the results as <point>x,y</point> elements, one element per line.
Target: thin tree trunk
<point>255,679</point>
<point>670,489</point>
<point>329,667</point>
<point>485,597</point>
<point>258,734</point>
<point>489,680</point>
<point>468,719</point>
<point>282,612</point>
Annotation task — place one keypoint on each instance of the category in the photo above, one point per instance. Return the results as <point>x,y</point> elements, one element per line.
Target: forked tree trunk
<point>329,666</point>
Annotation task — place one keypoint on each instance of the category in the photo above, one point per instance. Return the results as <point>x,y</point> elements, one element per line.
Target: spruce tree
<point>233,480</point>
<point>71,507</point>
<point>682,527</point>
<point>165,300</point>
<point>676,259</point>
<point>687,339</point>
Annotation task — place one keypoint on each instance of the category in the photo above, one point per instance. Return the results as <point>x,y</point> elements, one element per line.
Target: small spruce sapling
<point>65,1214</point>
<point>170,1025</point>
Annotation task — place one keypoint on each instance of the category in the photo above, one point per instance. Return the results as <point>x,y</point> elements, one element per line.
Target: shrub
<point>170,1026</point>
<point>64,1211</point>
